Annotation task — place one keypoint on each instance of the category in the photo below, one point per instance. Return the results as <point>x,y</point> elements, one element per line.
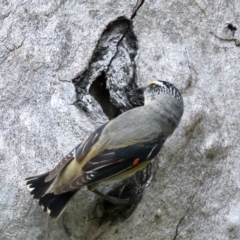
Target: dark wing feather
<point>113,162</point>
<point>144,151</point>
<point>86,145</point>
<point>77,153</point>
<point>61,165</point>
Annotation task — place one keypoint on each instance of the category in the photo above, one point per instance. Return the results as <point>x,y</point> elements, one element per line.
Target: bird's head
<point>156,88</point>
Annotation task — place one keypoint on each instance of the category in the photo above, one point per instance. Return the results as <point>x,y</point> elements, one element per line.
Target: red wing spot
<point>135,162</point>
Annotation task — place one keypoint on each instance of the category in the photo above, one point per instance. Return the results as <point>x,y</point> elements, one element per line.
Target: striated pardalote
<point>113,152</point>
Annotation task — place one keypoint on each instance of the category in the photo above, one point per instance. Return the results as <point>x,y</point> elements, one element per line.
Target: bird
<point>114,152</point>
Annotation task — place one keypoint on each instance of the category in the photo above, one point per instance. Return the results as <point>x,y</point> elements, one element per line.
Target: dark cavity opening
<point>98,90</point>
<point>231,27</point>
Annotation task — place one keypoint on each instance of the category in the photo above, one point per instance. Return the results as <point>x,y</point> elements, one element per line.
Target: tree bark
<point>50,100</point>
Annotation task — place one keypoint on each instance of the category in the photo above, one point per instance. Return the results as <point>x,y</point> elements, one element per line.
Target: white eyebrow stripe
<point>151,151</point>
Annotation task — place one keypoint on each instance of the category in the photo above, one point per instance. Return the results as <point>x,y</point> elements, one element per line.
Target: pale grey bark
<point>192,44</point>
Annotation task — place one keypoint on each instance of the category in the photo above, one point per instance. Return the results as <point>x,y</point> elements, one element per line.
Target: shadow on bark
<point>111,80</point>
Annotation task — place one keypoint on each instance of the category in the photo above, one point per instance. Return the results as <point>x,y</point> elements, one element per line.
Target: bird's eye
<point>153,85</point>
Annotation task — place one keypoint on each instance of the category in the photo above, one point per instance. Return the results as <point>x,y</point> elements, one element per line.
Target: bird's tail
<point>53,204</point>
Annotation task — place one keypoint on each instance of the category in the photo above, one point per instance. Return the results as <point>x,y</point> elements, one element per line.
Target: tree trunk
<point>54,58</point>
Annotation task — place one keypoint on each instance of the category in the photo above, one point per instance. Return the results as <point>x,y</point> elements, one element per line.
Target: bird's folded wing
<point>112,162</point>
<point>77,153</point>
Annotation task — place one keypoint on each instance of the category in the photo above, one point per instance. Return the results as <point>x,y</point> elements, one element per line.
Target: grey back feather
<point>159,117</point>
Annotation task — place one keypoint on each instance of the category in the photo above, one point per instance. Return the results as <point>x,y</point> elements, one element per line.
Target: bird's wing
<point>77,153</point>
<point>109,130</point>
<point>112,162</point>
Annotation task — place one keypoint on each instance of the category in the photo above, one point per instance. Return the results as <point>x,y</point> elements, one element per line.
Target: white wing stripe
<point>151,151</point>
<point>83,148</point>
<point>95,137</point>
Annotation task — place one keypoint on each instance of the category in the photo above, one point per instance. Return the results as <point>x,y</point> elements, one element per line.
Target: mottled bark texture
<point>195,45</point>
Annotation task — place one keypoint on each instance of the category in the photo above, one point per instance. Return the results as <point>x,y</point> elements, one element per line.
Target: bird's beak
<point>141,90</point>
<point>138,98</point>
